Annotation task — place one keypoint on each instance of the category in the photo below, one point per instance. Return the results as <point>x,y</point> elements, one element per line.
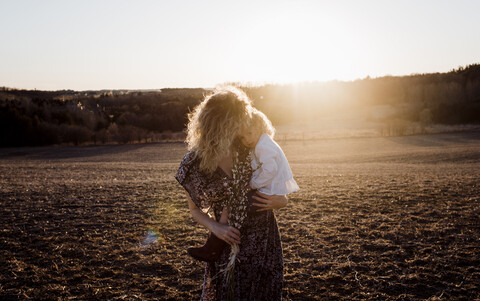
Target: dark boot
<point>211,251</point>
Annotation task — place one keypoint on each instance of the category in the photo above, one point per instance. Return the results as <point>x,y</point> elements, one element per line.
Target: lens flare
<point>149,239</point>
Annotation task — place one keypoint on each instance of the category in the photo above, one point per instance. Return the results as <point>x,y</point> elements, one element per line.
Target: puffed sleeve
<point>203,189</point>
<point>265,154</point>
<point>193,180</point>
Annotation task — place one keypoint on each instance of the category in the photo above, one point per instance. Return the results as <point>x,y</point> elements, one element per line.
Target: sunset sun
<point>296,46</point>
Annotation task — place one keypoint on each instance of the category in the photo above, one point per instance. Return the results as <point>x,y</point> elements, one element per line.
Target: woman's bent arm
<point>225,232</point>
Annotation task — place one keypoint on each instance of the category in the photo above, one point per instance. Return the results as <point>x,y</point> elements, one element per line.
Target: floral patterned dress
<point>259,269</point>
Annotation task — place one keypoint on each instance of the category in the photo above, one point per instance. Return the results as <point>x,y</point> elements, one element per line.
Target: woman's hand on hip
<point>269,202</point>
<point>226,233</point>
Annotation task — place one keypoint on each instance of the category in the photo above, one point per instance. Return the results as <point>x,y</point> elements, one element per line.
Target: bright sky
<point>120,44</point>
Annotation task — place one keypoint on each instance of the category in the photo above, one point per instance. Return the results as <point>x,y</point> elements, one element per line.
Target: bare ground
<point>376,218</point>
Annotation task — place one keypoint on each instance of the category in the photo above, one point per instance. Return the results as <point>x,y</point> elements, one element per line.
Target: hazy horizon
<point>105,45</point>
<point>244,84</point>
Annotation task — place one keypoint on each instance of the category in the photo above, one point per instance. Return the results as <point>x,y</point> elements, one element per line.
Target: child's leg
<point>224,216</point>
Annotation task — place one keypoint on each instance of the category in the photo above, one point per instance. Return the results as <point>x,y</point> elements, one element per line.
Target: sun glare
<point>284,49</point>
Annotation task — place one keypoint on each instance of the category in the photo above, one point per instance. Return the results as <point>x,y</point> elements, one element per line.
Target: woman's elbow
<point>191,205</point>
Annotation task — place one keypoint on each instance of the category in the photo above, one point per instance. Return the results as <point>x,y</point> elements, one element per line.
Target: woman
<point>205,173</point>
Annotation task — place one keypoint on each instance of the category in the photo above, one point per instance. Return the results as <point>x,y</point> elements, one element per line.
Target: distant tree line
<point>65,117</point>
<point>443,98</point>
<point>30,117</point>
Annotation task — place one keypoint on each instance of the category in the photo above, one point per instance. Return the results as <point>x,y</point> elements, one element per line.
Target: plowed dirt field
<point>376,218</point>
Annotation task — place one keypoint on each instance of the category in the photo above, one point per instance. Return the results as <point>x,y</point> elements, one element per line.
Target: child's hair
<point>262,124</point>
<point>215,123</point>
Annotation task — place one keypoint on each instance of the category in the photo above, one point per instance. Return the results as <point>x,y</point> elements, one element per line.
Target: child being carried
<point>272,176</point>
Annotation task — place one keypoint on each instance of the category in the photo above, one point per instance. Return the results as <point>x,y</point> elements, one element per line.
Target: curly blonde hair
<point>215,123</point>
<point>261,124</point>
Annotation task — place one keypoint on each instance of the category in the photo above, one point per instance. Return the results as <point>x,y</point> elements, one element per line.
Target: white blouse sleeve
<point>268,168</point>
